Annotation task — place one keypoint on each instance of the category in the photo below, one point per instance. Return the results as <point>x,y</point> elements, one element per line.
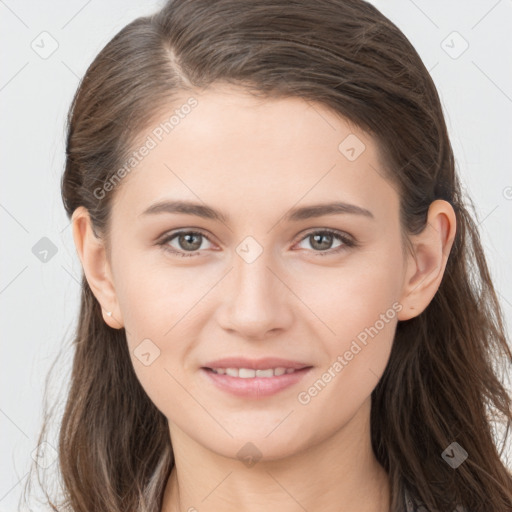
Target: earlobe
<point>92,254</point>
<point>426,267</point>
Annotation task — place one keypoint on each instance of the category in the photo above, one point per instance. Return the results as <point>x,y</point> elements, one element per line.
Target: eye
<point>190,241</point>
<point>322,240</point>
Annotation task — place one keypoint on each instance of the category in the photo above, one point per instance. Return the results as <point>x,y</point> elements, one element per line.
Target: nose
<point>255,299</point>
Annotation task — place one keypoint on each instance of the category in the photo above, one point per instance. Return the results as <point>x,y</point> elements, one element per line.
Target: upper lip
<point>256,364</point>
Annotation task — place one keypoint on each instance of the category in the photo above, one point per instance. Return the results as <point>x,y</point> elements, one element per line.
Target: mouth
<point>250,373</point>
<point>254,383</point>
<point>265,363</point>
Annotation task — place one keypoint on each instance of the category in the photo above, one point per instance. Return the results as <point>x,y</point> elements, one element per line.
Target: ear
<point>426,266</point>
<point>92,254</point>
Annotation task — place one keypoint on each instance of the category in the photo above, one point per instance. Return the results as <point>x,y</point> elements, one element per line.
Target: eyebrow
<point>295,214</point>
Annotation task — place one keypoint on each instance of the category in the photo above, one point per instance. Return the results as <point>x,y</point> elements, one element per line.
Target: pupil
<point>187,238</point>
<point>317,240</point>
<point>316,237</point>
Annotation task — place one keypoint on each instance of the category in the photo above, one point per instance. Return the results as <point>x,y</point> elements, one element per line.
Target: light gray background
<point>39,300</point>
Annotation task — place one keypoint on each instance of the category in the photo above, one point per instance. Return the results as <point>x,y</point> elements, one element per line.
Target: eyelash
<point>347,242</point>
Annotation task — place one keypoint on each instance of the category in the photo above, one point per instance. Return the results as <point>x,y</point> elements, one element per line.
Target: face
<point>258,280</point>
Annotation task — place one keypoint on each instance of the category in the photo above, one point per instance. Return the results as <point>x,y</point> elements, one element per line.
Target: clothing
<point>409,505</point>
<point>421,508</point>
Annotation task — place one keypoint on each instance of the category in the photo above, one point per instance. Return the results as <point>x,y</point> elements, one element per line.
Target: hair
<point>442,383</point>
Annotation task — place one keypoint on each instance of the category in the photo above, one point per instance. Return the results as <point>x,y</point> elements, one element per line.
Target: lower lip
<point>256,387</point>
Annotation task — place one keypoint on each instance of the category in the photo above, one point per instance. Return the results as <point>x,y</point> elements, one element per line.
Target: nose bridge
<point>255,301</point>
<point>251,275</point>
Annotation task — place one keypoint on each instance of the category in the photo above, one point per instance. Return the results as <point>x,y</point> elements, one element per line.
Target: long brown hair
<point>442,383</point>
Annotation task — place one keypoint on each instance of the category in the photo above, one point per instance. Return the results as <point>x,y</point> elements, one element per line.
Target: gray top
<point>421,508</point>
<point>408,504</point>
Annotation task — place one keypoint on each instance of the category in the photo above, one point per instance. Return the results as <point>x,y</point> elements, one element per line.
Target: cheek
<point>351,296</point>
<point>359,304</point>
<point>152,296</point>
<point>157,305</point>
<point>362,313</point>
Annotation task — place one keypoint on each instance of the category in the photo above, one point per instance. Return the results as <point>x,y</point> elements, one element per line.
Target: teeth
<point>247,373</point>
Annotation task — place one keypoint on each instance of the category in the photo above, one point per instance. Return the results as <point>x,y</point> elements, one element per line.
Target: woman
<point>285,301</point>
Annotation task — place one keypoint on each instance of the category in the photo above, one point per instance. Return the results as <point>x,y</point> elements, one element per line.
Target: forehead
<point>247,153</point>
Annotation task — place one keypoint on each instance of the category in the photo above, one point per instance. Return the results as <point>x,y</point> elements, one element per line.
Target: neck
<point>338,474</point>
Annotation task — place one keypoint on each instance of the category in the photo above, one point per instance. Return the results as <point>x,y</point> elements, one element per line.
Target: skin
<point>290,302</point>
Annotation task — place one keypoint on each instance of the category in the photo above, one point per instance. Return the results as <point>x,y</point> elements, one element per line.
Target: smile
<point>256,384</point>
<point>248,373</point>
